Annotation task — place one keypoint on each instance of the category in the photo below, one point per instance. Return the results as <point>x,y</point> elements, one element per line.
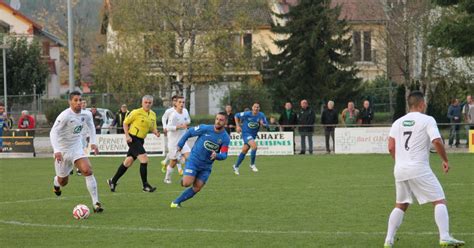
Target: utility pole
<point>70,46</point>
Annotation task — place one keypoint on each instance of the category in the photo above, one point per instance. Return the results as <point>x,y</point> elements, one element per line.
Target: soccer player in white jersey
<point>85,135</point>
<point>164,122</point>
<point>409,145</point>
<point>178,122</point>
<point>66,139</point>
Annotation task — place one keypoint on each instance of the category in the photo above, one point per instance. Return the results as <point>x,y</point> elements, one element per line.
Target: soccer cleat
<point>236,170</point>
<point>98,208</point>
<point>167,181</point>
<point>387,245</point>
<point>180,172</point>
<point>111,184</point>
<point>148,188</point>
<point>175,205</point>
<point>253,168</point>
<point>451,242</point>
<point>78,172</point>
<point>57,190</point>
<point>163,166</point>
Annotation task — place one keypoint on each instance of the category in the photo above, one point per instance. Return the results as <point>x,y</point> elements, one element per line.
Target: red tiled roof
<point>360,10</point>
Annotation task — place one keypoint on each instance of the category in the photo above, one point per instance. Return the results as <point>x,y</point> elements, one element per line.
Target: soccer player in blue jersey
<point>248,123</point>
<point>212,144</point>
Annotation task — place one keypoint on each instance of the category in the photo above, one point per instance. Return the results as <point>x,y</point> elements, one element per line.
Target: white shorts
<point>425,189</point>
<point>174,154</point>
<point>65,167</point>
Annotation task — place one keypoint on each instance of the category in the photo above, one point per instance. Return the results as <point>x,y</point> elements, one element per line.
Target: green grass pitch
<point>293,201</point>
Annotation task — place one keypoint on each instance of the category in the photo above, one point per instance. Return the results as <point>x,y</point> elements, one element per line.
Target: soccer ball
<point>80,212</point>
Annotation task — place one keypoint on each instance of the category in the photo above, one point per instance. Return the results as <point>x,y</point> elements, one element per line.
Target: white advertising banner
<point>115,144</point>
<point>361,140</point>
<point>269,143</point>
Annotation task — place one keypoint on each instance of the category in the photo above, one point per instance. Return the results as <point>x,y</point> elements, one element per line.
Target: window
<point>248,45</point>
<point>45,48</point>
<point>362,46</point>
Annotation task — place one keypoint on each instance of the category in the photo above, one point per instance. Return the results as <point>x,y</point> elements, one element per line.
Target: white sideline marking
<point>205,230</point>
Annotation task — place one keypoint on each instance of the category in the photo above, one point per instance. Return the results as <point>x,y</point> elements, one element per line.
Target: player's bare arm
<point>439,147</point>
<point>391,147</point>
<point>126,127</point>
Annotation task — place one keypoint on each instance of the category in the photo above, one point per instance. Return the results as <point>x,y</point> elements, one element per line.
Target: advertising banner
<point>15,141</point>
<point>471,141</point>
<point>361,140</point>
<point>269,143</point>
<point>115,144</point>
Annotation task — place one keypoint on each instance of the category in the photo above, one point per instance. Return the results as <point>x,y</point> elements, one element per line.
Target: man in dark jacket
<point>98,120</point>
<point>230,124</point>
<point>120,117</point>
<point>306,120</point>
<point>366,114</point>
<point>454,115</point>
<point>288,118</point>
<point>329,118</point>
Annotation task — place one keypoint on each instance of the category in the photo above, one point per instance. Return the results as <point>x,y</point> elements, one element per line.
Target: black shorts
<point>136,147</point>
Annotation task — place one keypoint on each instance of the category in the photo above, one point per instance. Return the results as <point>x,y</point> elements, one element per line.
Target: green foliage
<point>377,92</point>
<point>315,62</point>
<point>53,108</point>
<point>400,107</point>
<point>441,96</point>
<point>25,67</point>
<point>453,30</point>
<point>248,94</point>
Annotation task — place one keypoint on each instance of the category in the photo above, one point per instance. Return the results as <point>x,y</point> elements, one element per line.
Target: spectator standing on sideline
<point>26,121</point>
<point>288,118</point>
<point>468,111</point>
<point>120,117</point>
<point>98,120</point>
<point>366,115</point>
<point>230,124</point>
<point>454,115</point>
<point>306,120</point>
<point>329,118</point>
<point>349,115</point>
<point>273,125</point>
<point>2,124</point>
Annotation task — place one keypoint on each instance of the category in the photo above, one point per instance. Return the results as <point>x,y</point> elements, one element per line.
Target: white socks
<point>169,170</point>
<point>394,221</point>
<point>92,187</point>
<point>442,220</point>
<point>56,182</point>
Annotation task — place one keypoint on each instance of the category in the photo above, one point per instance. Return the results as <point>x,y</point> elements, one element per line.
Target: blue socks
<point>253,155</point>
<point>187,193</point>
<point>240,159</point>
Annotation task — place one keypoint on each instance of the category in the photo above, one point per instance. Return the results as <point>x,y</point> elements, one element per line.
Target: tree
<point>26,70</point>
<point>185,42</point>
<point>453,30</point>
<point>315,61</point>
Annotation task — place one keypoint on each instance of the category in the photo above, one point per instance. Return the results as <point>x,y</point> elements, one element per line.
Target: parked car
<point>108,117</point>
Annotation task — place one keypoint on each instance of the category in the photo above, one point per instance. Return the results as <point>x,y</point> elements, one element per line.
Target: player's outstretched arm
<point>192,132</point>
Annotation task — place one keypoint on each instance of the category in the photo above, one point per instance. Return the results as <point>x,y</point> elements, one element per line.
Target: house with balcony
<point>14,24</point>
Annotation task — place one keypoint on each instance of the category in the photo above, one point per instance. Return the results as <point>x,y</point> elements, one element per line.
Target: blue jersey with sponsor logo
<point>208,141</point>
<point>250,123</point>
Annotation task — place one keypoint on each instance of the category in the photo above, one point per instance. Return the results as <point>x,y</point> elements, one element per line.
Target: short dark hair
<point>222,113</point>
<point>179,97</point>
<point>2,104</point>
<point>74,93</point>
<point>415,98</point>
<point>174,97</point>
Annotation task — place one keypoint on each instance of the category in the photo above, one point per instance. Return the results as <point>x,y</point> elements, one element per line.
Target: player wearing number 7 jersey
<point>409,144</point>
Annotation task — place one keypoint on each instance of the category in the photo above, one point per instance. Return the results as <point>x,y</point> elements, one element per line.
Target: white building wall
<point>17,26</point>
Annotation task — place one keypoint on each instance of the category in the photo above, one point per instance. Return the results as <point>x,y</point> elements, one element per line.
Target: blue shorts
<point>201,173</point>
<point>248,137</point>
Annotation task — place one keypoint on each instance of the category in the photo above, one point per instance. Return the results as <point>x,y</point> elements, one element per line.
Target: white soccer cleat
<point>167,181</point>
<point>236,170</point>
<point>253,168</point>
<point>451,242</point>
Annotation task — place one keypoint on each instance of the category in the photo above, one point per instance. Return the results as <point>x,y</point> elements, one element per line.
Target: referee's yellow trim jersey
<point>140,122</point>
